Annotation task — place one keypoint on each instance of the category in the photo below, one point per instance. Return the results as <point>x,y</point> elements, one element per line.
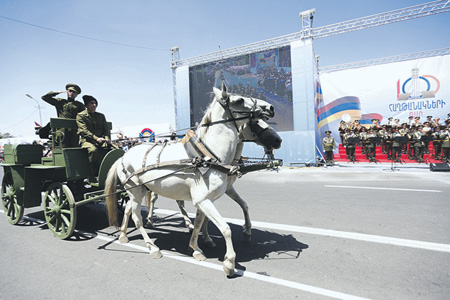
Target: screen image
<point>264,75</point>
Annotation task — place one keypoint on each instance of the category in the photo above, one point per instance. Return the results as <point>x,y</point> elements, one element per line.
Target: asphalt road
<point>341,232</point>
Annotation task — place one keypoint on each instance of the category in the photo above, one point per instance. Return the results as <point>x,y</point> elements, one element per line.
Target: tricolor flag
<point>336,109</point>
<point>36,124</point>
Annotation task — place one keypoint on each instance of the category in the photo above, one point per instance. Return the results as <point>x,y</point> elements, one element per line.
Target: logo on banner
<point>147,135</point>
<point>417,86</point>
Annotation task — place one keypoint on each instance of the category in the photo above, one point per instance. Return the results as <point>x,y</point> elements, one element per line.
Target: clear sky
<point>133,83</point>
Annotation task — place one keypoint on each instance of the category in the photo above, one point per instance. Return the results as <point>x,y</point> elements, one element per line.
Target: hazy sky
<point>134,84</point>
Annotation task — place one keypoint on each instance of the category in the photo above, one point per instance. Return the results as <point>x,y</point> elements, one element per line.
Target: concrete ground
<point>352,231</point>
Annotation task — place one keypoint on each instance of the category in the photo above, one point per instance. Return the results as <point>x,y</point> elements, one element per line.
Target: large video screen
<point>264,75</point>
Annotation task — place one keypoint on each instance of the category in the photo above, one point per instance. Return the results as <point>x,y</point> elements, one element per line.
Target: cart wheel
<point>60,211</point>
<point>13,210</point>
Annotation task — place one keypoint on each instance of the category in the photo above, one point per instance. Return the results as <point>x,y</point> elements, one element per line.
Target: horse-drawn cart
<point>64,177</point>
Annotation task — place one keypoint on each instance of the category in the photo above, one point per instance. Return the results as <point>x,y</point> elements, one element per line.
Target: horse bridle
<point>254,113</point>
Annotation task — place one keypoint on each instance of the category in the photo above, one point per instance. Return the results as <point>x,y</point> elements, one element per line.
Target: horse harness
<point>206,159</point>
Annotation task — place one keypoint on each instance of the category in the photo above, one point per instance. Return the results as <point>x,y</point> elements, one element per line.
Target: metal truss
<point>412,12</point>
<point>385,60</point>
<point>399,15</point>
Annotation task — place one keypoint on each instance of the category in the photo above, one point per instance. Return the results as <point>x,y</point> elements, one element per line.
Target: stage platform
<point>382,158</point>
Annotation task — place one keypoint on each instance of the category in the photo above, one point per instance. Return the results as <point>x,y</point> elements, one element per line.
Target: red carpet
<point>341,156</point>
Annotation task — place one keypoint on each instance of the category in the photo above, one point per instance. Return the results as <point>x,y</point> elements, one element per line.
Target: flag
<point>36,124</point>
<point>336,109</point>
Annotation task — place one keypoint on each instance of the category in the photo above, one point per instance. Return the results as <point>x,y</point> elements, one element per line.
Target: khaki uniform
<point>92,126</point>
<point>445,146</point>
<point>65,109</point>
<point>328,145</point>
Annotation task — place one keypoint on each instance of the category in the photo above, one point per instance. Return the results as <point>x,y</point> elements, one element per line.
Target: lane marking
<point>191,260</point>
<point>381,188</point>
<point>333,233</point>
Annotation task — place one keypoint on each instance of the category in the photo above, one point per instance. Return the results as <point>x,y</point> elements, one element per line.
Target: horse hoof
<point>209,244</point>
<point>149,225</point>
<point>123,239</point>
<point>228,268</point>
<point>199,256</point>
<point>155,254</point>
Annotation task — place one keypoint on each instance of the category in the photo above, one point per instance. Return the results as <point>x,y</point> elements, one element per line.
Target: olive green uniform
<point>418,146</point>
<point>328,145</point>
<point>66,109</point>
<point>445,146</point>
<point>92,126</point>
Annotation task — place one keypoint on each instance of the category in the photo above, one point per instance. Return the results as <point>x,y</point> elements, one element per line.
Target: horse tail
<point>111,195</point>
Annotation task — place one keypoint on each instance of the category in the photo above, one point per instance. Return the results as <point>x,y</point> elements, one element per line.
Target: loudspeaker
<point>440,167</point>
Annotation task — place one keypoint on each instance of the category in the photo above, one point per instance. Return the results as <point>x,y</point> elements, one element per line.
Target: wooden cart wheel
<point>59,210</point>
<point>13,210</point>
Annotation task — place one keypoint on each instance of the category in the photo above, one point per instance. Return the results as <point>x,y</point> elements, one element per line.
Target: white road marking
<point>191,260</point>
<point>381,188</point>
<point>334,233</point>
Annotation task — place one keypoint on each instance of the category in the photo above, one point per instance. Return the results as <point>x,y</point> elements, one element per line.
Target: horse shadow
<point>170,234</point>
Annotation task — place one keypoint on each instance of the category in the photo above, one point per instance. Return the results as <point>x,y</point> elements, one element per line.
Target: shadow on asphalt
<point>170,234</point>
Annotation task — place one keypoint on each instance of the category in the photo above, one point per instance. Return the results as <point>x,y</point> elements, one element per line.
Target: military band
<point>412,137</point>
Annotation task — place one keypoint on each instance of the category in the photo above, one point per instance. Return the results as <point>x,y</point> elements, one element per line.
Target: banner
<point>417,88</point>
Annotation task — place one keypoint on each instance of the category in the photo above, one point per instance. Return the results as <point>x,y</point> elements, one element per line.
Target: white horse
<point>258,132</point>
<point>172,174</point>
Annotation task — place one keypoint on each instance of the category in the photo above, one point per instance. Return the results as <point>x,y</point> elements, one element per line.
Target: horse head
<point>259,132</point>
<point>255,112</point>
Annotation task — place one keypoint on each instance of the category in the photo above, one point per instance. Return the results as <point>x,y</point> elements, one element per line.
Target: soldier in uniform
<point>342,130</point>
<point>410,121</point>
<point>437,142</point>
<point>416,122</point>
<point>375,124</point>
<point>66,109</point>
<point>363,137</point>
<point>350,146</point>
<point>418,144</point>
<point>396,147</point>
<point>372,146</point>
<point>381,133</point>
<point>387,140</point>
<point>427,130</point>
<point>328,145</point>
<point>94,132</point>
<point>445,145</point>
<point>436,123</point>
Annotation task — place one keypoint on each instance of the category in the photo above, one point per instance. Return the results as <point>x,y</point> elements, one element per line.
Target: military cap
<point>375,120</point>
<point>390,118</point>
<point>417,118</point>
<point>73,87</point>
<point>397,120</point>
<point>429,117</point>
<point>88,98</point>
<point>327,132</point>
<point>410,117</point>
<point>426,123</point>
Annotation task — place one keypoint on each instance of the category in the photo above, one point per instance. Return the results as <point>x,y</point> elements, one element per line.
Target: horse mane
<point>201,129</point>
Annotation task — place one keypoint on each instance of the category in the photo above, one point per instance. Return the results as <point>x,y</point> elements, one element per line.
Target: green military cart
<point>60,181</point>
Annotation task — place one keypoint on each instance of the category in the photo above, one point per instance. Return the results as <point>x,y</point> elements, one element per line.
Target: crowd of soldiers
<point>395,138</point>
